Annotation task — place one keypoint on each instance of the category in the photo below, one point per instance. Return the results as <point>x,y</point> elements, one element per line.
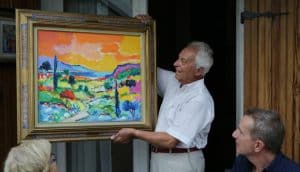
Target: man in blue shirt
<point>258,139</point>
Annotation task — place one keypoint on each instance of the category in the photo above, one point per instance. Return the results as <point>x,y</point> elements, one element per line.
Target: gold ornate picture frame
<point>83,77</point>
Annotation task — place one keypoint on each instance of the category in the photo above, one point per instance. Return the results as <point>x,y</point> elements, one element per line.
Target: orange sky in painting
<point>102,52</point>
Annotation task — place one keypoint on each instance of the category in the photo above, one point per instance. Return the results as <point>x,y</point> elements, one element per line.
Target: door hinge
<point>249,15</point>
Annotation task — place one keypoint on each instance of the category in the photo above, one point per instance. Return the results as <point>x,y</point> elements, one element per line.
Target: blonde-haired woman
<point>31,156</point>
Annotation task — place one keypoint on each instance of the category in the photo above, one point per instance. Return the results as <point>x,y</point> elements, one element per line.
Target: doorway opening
<point>180,22</point>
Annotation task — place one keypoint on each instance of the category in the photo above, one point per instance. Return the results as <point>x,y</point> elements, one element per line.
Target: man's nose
<point>235,134</point>
<point>176,63</point>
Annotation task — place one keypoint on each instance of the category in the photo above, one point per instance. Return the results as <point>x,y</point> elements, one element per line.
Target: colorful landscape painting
<point>87,77</point>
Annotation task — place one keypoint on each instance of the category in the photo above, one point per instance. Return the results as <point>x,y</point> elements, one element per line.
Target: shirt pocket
<point>172,113</point>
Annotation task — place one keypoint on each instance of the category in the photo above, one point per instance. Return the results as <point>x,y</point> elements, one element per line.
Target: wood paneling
<point>296,78</point>
<point>272,65</point>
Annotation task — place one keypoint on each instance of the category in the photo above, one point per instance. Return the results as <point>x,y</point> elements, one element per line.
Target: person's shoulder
<point>203,93</point>
<point>289,164</point>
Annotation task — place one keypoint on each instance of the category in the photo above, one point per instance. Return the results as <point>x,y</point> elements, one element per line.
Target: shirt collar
<point>197,83</point>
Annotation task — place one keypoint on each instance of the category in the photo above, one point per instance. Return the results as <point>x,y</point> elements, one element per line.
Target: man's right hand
<point>124,135</point>
<point>144,18</point>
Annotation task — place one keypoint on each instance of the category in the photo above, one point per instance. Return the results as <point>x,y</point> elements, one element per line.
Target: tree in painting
<point>55,76</point>
<point>131,107</point>
<point>45,66</point>
<point>117,107</point>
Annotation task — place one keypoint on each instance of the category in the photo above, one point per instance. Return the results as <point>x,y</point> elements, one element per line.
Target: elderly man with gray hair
<point>185,115</point>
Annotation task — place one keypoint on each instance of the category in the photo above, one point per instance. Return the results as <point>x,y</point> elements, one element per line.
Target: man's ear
<point>200,71</point>
<point>259,145</point>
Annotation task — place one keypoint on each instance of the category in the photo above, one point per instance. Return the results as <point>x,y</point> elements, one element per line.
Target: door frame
<point>239,61</point>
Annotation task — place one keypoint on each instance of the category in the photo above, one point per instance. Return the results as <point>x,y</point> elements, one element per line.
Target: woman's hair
<point>29,156</point>
<point>204,56</point>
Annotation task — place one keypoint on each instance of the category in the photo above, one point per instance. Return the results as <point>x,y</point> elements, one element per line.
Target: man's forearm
<point>159,139</point>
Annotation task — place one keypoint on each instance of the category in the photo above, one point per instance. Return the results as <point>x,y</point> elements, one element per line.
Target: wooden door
<point>272,65</point>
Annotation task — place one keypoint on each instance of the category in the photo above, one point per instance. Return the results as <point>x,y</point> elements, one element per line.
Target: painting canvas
<point>81,81</point>
<point>88,77</point>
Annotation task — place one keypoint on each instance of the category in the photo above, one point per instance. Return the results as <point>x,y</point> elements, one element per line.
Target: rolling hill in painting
<point>74,93</point>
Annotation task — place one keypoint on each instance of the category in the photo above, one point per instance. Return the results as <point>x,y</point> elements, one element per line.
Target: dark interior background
<point>213,22</point>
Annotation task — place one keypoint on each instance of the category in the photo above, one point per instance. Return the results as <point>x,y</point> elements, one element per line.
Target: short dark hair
<point>267,127</point>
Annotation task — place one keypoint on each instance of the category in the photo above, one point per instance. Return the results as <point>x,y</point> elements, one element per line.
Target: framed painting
<point>83,77</point>
<point>7,35</point>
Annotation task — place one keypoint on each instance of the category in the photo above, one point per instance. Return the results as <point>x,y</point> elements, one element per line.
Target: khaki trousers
<point>177,162</point>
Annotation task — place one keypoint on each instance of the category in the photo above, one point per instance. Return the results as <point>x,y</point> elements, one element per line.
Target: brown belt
<point>173,150</point>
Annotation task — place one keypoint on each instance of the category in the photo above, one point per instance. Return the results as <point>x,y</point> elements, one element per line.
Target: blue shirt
<point>280,164</point>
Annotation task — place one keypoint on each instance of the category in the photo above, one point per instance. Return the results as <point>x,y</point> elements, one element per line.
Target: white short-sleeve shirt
<point>186,112</point>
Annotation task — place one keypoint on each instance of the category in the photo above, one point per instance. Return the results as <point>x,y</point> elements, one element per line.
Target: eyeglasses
<point>52,158</point>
